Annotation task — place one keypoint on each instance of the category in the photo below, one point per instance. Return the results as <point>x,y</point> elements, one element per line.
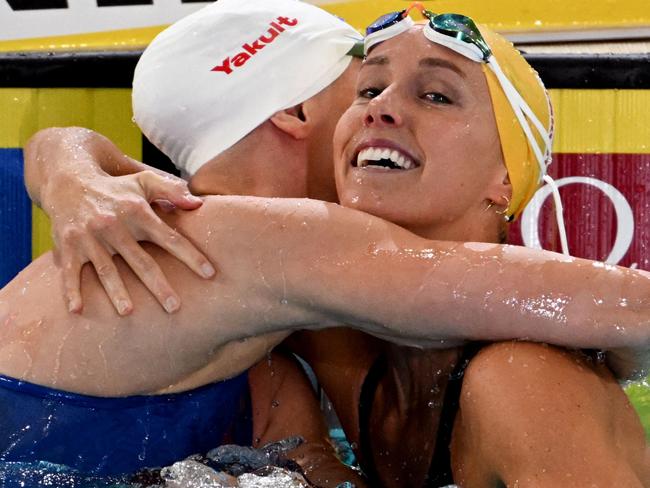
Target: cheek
<point>345,131</point>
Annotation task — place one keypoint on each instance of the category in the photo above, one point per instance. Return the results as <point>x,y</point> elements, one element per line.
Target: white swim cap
<point>214,76</point>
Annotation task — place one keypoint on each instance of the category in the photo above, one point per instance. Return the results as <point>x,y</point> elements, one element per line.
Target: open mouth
<point>382,157</point>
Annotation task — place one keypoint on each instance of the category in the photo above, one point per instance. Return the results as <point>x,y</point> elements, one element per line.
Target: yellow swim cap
<point>521,163</point>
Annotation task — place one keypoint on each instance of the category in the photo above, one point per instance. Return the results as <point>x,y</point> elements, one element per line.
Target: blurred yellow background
<point>507,16</point>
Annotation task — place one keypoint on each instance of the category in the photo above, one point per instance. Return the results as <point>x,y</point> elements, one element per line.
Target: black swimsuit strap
<point>366,399</point>
<point>440,469</point>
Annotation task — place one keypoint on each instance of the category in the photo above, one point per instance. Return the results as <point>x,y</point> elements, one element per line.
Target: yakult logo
<point>251,49</point>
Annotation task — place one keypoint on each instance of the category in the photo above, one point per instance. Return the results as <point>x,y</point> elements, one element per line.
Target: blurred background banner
<point>601,161</point>
<point>83,24</point>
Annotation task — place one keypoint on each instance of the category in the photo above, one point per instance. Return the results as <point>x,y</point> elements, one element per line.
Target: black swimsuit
<point>440,467</point>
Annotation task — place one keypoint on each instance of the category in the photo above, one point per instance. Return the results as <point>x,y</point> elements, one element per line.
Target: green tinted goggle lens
<point>460,27</point>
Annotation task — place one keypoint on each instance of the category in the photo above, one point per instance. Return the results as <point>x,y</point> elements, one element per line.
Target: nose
<point>382,112</point>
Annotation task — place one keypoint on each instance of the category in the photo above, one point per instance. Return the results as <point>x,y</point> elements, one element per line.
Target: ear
<point>292,121</point>
<point>500,190</point>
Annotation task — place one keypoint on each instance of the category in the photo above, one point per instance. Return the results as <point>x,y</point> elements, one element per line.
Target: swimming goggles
<point>460,34</point>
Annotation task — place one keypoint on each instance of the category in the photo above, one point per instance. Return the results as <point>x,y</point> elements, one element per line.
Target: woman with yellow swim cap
<point>450,136</point>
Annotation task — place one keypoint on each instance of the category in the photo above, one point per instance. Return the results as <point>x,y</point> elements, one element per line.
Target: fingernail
<point>207,270</point>
<point>171,304</point>
<point>73,306</point>
<point>123,306</point>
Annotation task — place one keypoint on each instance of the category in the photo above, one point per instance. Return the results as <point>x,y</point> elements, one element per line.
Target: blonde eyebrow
<point>425,63</point>
<point>441,63</point>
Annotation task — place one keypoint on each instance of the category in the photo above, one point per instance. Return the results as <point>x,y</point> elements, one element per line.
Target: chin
<point>372,205</point>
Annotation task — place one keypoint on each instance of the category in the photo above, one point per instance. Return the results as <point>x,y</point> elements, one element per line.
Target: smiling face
<point>419,146</point>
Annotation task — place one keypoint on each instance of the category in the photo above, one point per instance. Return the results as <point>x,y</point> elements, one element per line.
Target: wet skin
<point>433,106</point>
<point>408,398</point>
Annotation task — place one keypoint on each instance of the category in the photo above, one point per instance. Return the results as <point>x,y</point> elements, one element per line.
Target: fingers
<point>179,246</point>
<point>110,220</point>
<point>146,268</point>
<point>109,277</point>
<point>149,227</point>
<point>78,245</point>
<point>171,189</point>
<point>72,285</point>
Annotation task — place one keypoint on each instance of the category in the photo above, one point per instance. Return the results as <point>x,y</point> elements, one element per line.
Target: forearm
<point>364,271</point>
<point>54,154</point>
<point>279,389</point>
<point>457,292</point>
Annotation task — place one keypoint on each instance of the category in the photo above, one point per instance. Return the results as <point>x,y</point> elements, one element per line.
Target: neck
<point>481,228</point>
<point>266,163</point>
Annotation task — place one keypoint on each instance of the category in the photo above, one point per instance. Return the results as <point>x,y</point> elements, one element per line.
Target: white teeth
<point>366,156</point>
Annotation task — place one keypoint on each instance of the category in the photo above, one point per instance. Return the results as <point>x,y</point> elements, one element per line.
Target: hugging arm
<point>290,264</point>
<point>348,265</point>
<point>98,200</point>
<point>345,266</point>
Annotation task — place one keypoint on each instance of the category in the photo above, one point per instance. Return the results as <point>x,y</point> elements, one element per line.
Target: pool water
<point>639,395</point>
<point>42,474</point>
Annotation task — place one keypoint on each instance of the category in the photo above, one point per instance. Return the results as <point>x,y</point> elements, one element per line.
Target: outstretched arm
<point>300,264</point>
<point>343,266</point>
<point>99,200</point>
<point>483,291</point>
<point>362,270</point>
